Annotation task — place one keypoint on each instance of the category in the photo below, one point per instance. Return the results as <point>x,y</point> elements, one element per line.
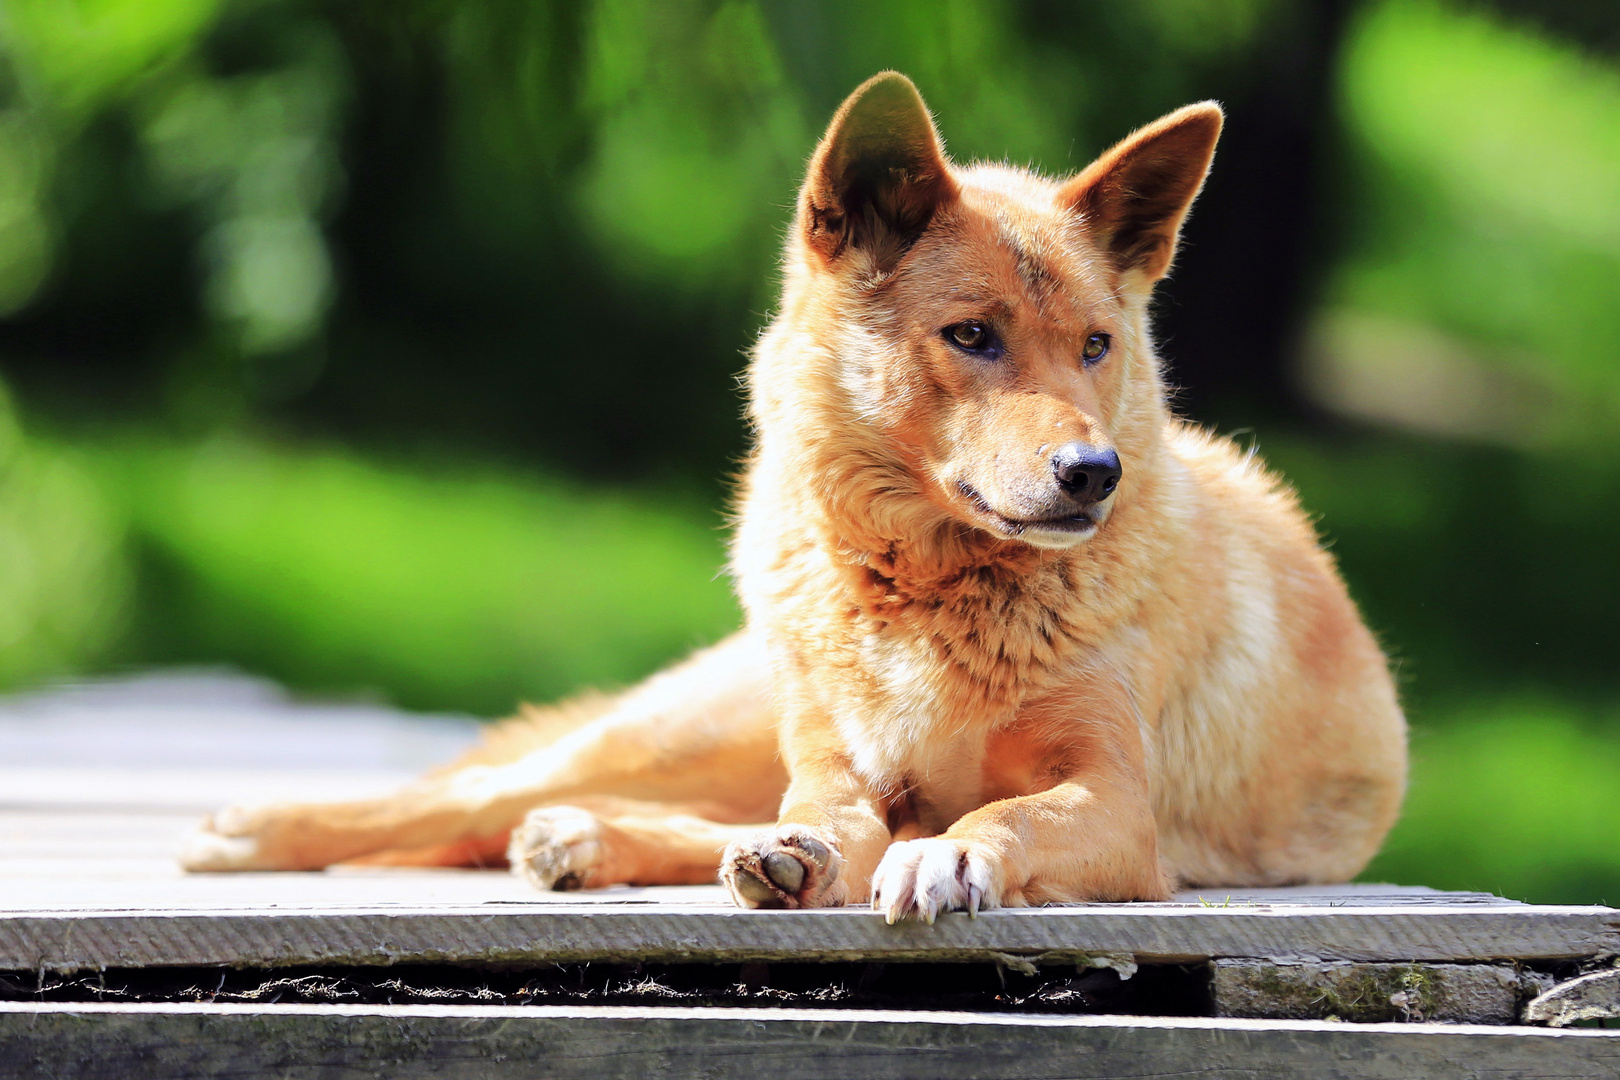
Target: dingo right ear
<point>878,175</point>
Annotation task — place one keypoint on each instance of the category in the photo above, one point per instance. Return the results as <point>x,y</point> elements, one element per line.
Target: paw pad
<point>787,869</point>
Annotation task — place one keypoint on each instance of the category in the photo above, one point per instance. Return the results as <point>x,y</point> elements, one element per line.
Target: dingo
<point>1015,633</point>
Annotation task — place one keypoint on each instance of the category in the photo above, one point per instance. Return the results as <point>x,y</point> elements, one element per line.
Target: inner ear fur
<point>878,176</point>
<point>1136,195</point>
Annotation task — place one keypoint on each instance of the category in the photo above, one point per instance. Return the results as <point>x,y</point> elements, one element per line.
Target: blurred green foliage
<point>388,346</point>
<point>1487,203</point>
<point>1515,797</point>
<point>451,587</point>
<point>64,579</point>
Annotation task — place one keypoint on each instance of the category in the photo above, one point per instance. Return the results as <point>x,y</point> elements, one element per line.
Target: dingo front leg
<point>828,838</point>
<point>1091,835</point>
<point>1076,841</point>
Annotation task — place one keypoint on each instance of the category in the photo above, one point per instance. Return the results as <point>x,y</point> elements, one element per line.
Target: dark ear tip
<point>886,93</point>
<point>879,172</point>
<point>889,82</point>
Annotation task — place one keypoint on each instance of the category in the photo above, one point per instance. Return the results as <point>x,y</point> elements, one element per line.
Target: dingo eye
<point>971,336</point>
<point>1096,347</point>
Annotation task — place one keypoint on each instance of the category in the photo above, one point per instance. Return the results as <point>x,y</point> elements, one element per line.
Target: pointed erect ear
<point>1136,195</point>
<point>878,176</point>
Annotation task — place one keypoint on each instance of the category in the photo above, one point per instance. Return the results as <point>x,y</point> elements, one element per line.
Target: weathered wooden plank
<point>305,1042</point>
<point>1590,997</point>
<point>515,933</point>
<point>1470,993</point>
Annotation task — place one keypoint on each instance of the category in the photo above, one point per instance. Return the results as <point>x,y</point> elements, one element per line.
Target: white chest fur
<point>910,732</point>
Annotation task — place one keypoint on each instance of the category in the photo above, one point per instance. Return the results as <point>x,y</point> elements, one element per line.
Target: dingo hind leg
<point>605,841</point>
<point>700,733</point>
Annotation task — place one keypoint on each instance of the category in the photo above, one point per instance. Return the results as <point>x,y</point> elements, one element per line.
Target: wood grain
<point>506,933</point>
<point>305,1042</point>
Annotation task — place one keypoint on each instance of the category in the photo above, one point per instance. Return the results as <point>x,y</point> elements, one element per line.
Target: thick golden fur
<point>958,686</point>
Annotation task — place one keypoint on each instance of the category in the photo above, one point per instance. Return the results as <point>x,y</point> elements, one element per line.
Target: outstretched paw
<point>557,847</point>
<point>224,843</point>
<point>791,867</point>
<point>921,878</point>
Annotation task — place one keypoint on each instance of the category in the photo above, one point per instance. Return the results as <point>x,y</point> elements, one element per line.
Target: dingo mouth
<point>1075,526</point>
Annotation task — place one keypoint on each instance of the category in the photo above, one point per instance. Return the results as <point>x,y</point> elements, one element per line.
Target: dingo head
<point>984,330</point>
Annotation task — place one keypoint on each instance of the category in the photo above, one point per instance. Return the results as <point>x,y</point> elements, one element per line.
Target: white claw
<point>922,878</point>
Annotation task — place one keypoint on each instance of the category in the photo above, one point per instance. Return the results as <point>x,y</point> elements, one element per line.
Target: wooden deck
<point>472,1043</point>
<point>99,784</point>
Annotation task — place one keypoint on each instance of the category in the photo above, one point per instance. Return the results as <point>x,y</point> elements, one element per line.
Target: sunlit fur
<point>998,710</point>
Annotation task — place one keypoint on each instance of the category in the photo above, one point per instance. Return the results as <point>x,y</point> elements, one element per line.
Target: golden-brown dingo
<point>1015,633</point>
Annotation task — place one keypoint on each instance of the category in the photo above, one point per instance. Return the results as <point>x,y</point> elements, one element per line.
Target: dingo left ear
<point>878,175</point>
<point>1136,195</point>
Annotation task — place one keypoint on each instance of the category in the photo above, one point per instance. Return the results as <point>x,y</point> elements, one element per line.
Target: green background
<point>389,347</point>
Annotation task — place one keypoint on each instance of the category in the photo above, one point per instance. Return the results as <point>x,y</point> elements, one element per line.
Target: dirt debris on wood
<point>1168,990</point>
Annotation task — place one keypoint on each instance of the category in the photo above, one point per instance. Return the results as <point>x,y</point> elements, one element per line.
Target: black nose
<point>1087,473</point>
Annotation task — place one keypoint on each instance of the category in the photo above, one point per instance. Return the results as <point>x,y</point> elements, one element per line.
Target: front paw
<point>921,878</point>
<point>788,867</point>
